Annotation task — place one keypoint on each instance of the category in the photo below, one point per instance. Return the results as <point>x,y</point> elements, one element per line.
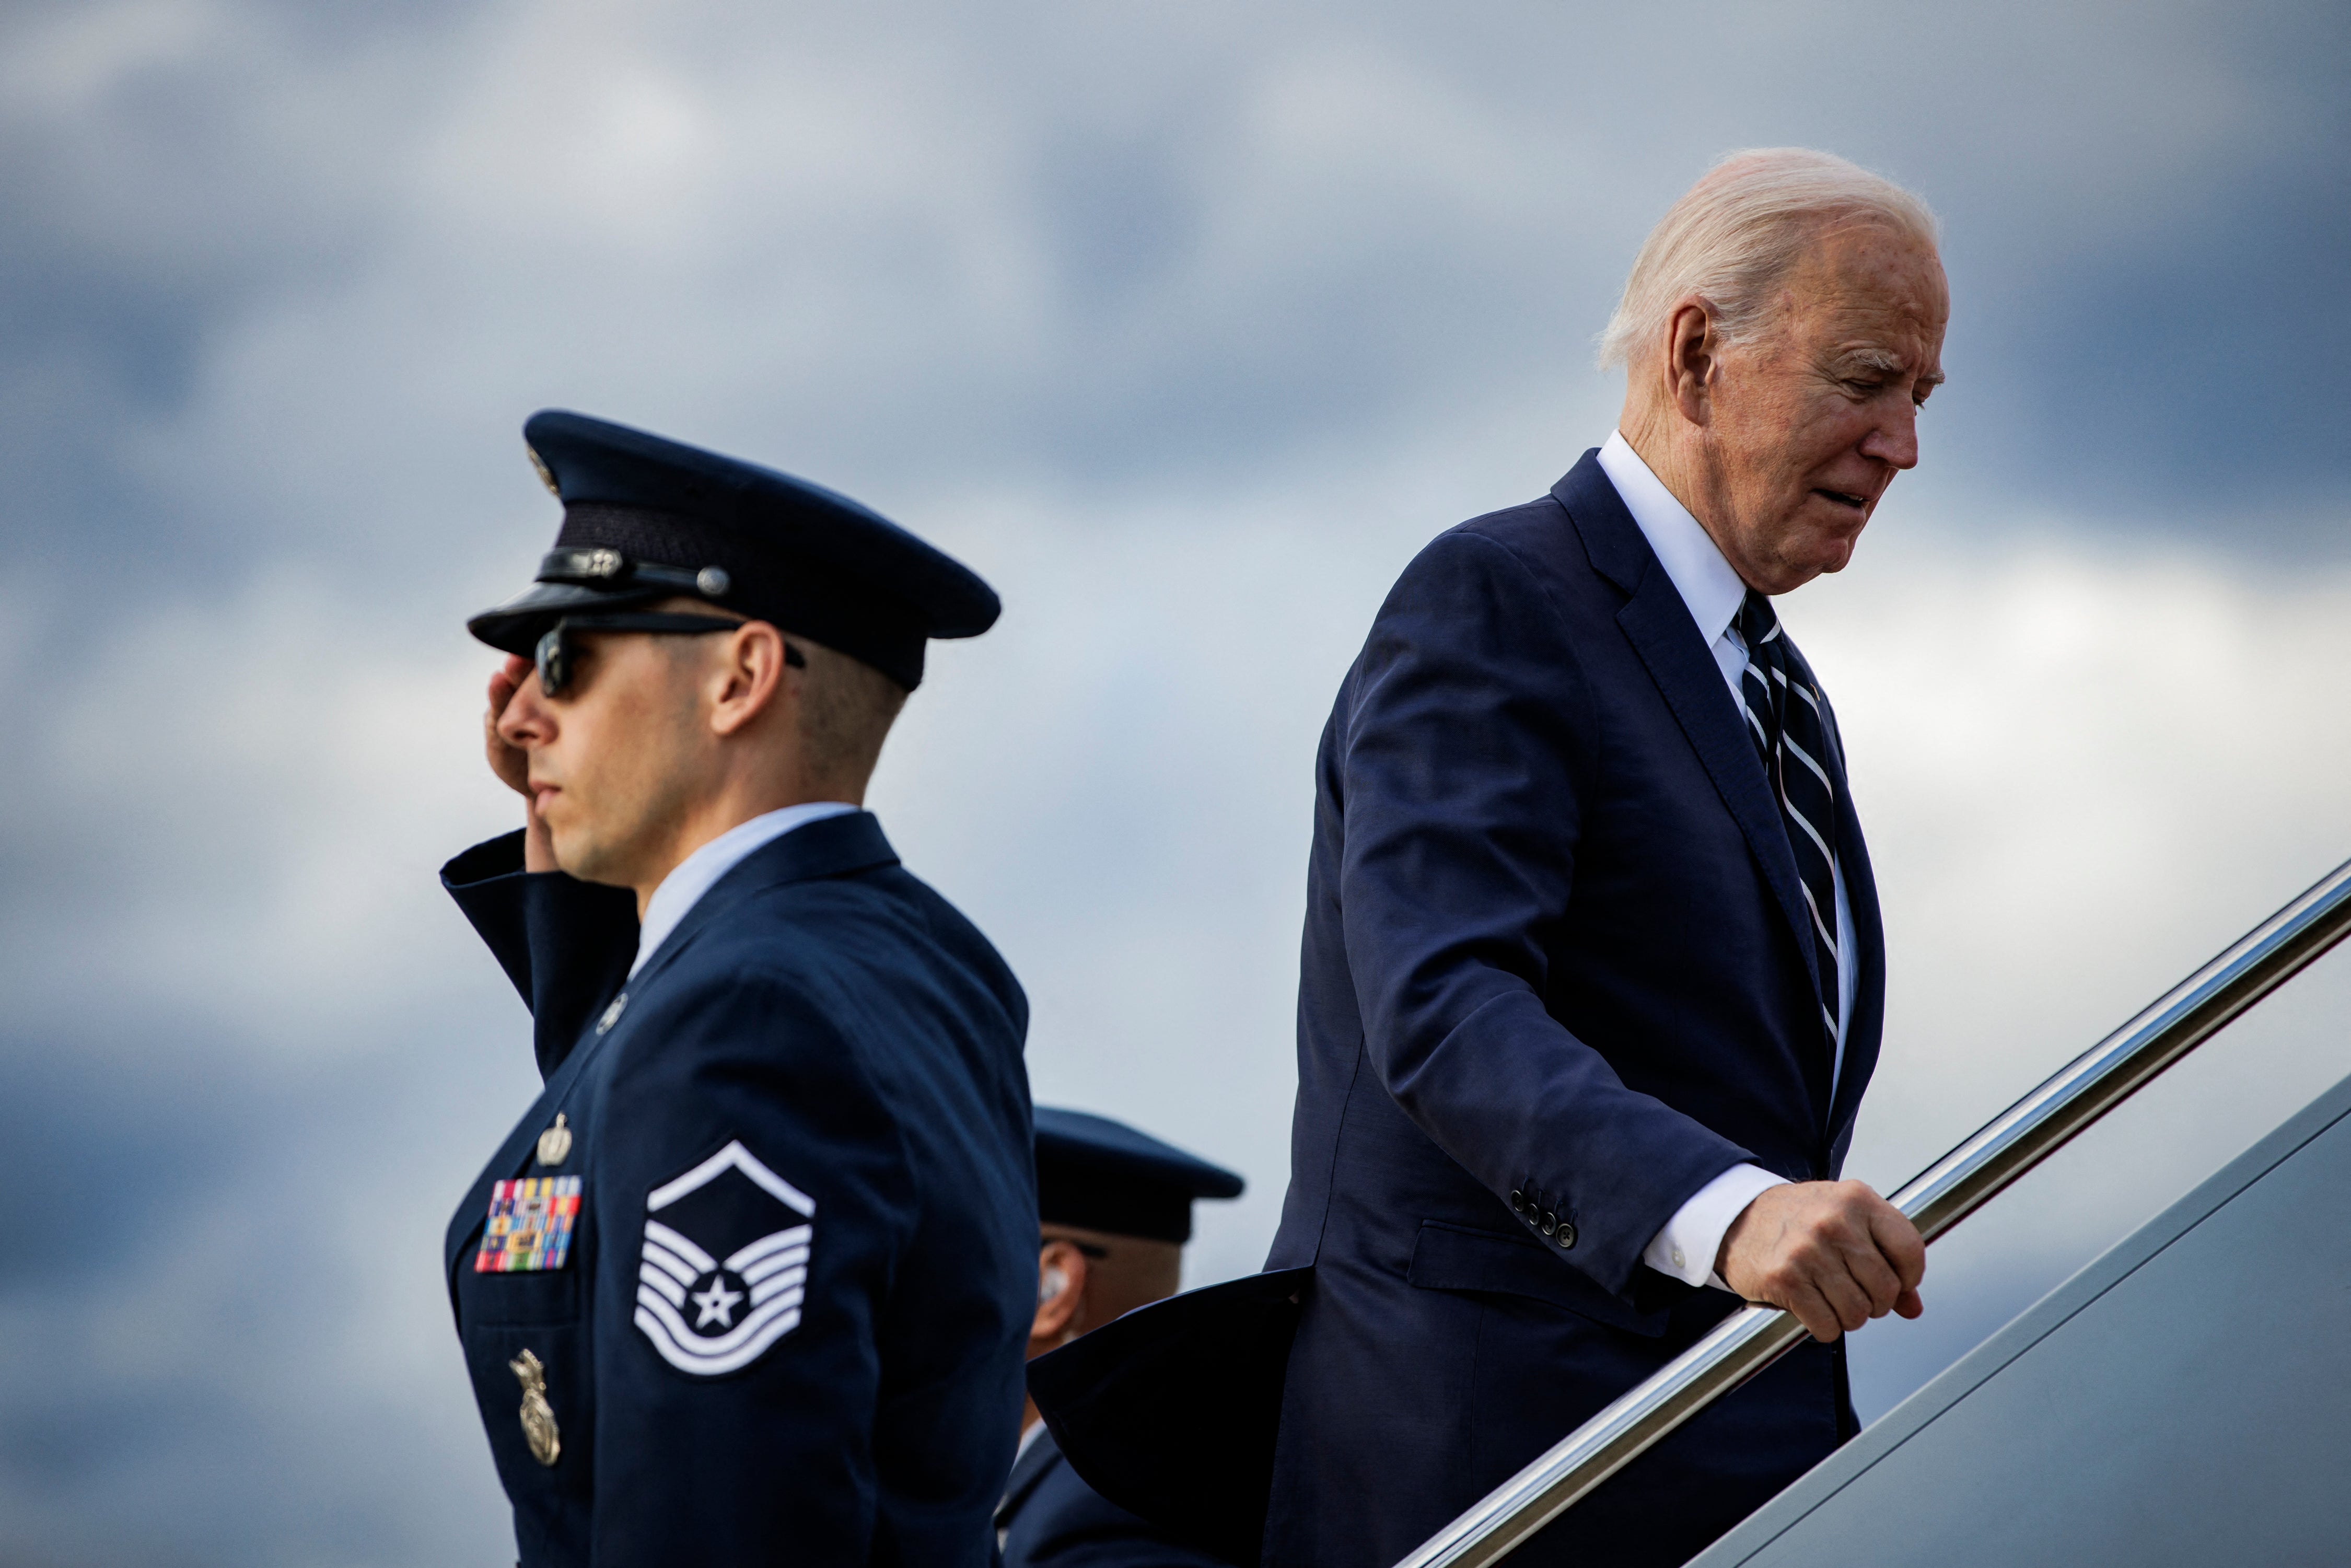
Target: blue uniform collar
<point>692,877</point>
<point>834,846</point>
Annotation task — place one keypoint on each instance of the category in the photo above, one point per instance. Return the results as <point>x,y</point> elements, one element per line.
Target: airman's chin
<point>580,855</point>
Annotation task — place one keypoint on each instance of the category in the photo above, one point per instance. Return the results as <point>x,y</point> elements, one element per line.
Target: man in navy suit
<point>1114,1210</point>
<point>1593,976</point>
<point>752,1281</point>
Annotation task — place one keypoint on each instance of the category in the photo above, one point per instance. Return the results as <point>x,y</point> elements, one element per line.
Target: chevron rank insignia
<point>725,1265</point>
<point>530,1224</point>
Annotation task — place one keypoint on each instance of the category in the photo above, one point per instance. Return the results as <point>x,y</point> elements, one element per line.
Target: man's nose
<point>1894,440</point>
<point>525,720</point>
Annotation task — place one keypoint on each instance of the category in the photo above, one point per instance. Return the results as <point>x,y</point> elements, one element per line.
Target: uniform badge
<point>725,1265</point>
<point>530,1224</point>
<point>612,1014</point>
<point>537,1416</point>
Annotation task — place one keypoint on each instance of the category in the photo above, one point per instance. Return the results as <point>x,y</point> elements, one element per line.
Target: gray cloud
<point>1121,250</point>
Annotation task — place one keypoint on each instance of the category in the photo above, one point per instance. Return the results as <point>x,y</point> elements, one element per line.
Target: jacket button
<point>1566,1235</point>
<point>1550,1221</point>
<point>1517,1202</point>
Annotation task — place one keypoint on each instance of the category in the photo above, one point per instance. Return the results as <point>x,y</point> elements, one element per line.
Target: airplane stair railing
<point>1954,1187</point>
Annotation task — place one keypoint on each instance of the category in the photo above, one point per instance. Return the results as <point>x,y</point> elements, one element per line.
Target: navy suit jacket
<point>1556,977</point>
<point>1052,1519</point>
<point>792,1318</point>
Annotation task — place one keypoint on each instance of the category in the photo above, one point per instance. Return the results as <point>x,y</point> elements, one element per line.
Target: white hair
<point>1738,231</point>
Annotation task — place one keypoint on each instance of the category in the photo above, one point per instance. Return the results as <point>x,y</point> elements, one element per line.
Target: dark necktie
<point>1788,719</point>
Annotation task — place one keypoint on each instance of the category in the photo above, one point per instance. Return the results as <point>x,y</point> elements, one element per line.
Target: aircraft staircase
<point>2184,1399</point>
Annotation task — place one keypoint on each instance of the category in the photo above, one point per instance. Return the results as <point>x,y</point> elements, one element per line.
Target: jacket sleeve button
<point>1566,1235</point>
<point>1550,1221</point>
<point>1517,1202</point>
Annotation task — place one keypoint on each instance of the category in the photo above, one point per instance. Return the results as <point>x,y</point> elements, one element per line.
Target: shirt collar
<point>692,877</point>
<point>1709,588</point>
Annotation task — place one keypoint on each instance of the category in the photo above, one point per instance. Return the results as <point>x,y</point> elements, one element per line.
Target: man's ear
<point>1061,1293</point>
<point>1693,352</point>
<point>749,676</point>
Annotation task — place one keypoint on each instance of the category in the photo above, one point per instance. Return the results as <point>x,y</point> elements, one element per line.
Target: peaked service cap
<point>646,518</point>
<point>1101,1174</point>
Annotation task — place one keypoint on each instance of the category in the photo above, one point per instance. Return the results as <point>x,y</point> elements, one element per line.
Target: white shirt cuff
<point>1685,1247</point>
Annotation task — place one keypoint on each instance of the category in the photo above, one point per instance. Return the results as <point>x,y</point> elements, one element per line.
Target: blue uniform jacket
<point>790,1322</point>
<point>1556,977</point>
<point>1052,1519</point>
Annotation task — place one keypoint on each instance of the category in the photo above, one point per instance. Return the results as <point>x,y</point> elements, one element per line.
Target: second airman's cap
<point>646,518</point>
<point>1099,1175</point>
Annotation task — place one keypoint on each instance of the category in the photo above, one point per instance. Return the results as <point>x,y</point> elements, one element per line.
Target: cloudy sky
<point>1187,326</point>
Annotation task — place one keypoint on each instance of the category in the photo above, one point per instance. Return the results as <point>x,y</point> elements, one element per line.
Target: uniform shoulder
<point>887,913</point>
<point>847,950</point>
<point>892,918</point>
<point>785,944</point>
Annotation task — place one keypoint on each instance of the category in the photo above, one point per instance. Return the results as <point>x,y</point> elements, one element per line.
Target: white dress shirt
<point>1713,594</point>
<point>692,877</point>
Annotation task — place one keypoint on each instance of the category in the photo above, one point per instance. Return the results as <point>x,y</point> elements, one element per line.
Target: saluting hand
<point>1832,1252</point>
<point>511,763</point>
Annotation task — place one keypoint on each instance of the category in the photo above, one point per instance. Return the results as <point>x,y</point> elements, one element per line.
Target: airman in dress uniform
<point>752,1281</point>
<point>1115,1206</point>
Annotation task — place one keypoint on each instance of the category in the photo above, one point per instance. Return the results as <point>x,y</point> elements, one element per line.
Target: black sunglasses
<point>557,651</point>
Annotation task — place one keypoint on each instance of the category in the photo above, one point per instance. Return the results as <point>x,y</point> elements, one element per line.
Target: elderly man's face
<point>1810,419</point>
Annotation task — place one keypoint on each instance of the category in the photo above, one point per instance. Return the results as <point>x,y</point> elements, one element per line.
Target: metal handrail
<point>1954,1187</point>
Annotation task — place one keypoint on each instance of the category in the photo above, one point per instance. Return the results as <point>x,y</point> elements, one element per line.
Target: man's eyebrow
<point>1886,362</point>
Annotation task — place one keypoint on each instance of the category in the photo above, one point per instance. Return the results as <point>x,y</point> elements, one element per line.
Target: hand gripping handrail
<point>1947,1192</point>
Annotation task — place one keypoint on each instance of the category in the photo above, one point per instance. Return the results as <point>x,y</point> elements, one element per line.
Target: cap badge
<point>602,563</point>
<point>712,582</point>
<point>554,1144</point>
<point>537,1416</point>
<point>539,466</point>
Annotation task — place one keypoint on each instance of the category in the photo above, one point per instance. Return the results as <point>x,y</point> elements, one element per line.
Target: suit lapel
<point>1659,625</point>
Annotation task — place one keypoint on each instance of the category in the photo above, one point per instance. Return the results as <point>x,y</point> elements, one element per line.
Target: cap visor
<point>515,626</point>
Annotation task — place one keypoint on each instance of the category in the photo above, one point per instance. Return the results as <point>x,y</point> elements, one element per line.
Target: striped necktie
<point>1787,718</point>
